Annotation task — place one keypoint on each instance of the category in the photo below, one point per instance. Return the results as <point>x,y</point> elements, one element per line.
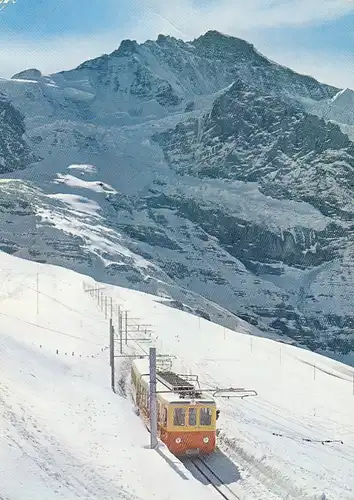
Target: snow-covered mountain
<point>196,171</point>
<point>339,109</point>
<point>65,435</point>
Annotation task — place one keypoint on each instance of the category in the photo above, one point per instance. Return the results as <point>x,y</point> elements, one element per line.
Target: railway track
<point>212,477</point>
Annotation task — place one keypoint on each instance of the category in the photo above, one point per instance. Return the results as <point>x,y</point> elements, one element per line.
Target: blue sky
<point>311,36</point>
<point>41,18</point>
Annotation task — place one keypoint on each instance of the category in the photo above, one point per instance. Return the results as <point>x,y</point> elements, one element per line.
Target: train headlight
<point>178,440</point>
<point>206,440</point>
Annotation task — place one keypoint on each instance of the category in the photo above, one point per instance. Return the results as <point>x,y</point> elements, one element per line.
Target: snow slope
<point>71,437</point>
<point>64,434</point>
<point>339,109</point>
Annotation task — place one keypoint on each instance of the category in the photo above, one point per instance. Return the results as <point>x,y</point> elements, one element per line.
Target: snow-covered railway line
<point>210,475</point>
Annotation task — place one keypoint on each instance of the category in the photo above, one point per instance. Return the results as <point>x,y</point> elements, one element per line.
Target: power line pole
<point>153,403</point>
<point>120,330</point>
<point>111,351</point>
<point>126,327</point>
<point>110,346</point>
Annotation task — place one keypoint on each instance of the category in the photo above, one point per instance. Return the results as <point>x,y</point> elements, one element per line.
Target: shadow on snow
<point>226,471</point>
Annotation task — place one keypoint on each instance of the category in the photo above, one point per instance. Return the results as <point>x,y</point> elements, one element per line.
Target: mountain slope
<point>192,171</point>
<point>201,67</point>
<point>72,438</point>
<point>61,425</point>
<point>255,138</point>
<point>151,80</point>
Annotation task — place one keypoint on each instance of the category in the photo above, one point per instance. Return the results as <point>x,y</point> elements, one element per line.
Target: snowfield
<point>65,435</point>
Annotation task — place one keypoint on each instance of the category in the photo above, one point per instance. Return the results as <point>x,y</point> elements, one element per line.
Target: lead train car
<point>185,424</point>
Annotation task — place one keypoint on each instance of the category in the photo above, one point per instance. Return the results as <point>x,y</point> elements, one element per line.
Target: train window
<point>165,417</point>
<point>192,416</point>
<point>179,416</point>
<point>205,416</point>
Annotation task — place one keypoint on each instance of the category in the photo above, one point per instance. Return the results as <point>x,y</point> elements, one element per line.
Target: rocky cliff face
<point>252,137</point>
<point>197,171</point>
<point>14,151</point>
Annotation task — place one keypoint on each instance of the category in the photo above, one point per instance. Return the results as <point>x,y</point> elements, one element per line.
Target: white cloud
<point>190,19</point>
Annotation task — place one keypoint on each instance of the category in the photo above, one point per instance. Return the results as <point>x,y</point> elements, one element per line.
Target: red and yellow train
<point>186,417</point>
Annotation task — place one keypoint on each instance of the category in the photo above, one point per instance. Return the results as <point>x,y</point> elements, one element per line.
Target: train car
<point>186,417</point>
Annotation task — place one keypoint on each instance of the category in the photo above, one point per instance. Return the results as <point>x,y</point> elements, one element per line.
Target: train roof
<point>168,379</point>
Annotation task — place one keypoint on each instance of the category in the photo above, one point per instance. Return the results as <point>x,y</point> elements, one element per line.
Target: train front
<point>191,428</point>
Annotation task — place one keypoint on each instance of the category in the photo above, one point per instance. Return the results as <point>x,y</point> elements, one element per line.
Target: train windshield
<point>192,416</point>
<point>179,416</point>
<point>205,416</point>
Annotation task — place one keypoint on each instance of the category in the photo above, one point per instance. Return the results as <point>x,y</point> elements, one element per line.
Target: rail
<point>210,475</point>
